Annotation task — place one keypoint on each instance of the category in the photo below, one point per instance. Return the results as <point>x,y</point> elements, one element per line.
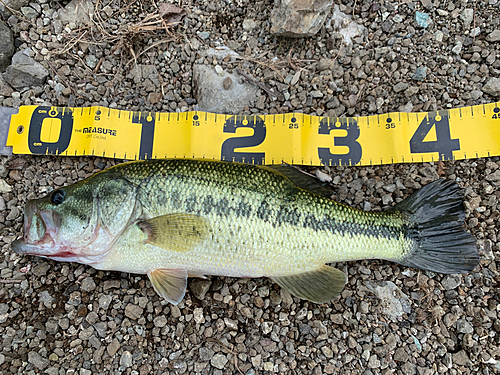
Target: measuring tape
<point>295,138</point>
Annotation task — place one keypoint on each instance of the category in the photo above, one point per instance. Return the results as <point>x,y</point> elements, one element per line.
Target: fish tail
<point>438,241</point>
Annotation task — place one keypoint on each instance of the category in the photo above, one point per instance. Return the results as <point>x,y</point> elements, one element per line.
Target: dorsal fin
<point>303,180</point>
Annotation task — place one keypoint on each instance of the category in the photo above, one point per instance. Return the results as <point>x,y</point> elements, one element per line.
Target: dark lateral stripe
<point>349,228</point>
<point>284,215</point>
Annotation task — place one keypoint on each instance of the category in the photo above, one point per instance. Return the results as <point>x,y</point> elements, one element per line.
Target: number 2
<point>259,134</point>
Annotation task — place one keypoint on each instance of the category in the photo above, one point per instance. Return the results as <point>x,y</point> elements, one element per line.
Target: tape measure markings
<point>292,137</point>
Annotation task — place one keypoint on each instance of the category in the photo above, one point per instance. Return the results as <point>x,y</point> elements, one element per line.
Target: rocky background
<point>318,57</point>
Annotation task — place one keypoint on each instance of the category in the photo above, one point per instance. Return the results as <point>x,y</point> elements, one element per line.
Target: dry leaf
<point>441,169</point>
<point>170,13</point>
<point>18,163</point>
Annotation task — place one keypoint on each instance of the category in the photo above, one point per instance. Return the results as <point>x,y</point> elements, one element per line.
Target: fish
<point>177,218</point>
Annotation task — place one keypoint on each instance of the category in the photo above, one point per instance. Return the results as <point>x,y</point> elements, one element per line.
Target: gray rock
<point>88,284</point>
<point>101,328</point>
<point>105,301</point>
<point>393,302</point>
<point>133,312</point>
<point>221,52</point>
<point>492,87</point>
<point>37,360</point>
<point>6,46</point>
<point>463,326</point>
<point>160,321</point>
<point>476,94</point>
<point>199,288</point>
<point>91,61</point>
<point>5,88</point>
<point>467,16</point>
<point>429,172</point>
<point>46,299</point>
<point>13,214</point>
<point>449,319</point>
<point>387,199</point>
<point>439,35</point>
<point>324,64</point>
<point>204,35</point>
<point>113,347</point>
<point>51,326</point>
<point>25,72</point>
<point>400,86</point>
<point>219,361</point>
<point>299,18</point>
<point>211,96</point>
<point>420,73</point>
<point>5,5</point>
<point>267,327</point>
<point>400,355</point>
<point>29,13</point>
<point>5,187</point>
<point>126,359</point>
<point>206,354</point>
<point>175,67</point>
<point>249,24</point>
<point>175,311</point>
<point>78,12</point>
<point>457,49</point>
<point>461,358</point>
<point>295,78</point>
<point>356,184</point>
<point>451,282</point>
<point>494,36</point>
<point>386,26</point>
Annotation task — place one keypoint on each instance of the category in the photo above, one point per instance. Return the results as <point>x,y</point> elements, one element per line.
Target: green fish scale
<point>261,224</point>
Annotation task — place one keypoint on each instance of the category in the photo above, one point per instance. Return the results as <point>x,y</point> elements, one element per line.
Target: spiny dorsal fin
<point>175,232</point>
<point>303,180</point>
<point>169,284</point>
<point>321,285</point>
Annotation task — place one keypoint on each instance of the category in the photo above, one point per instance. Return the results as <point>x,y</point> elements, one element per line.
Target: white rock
<point>5,187</point>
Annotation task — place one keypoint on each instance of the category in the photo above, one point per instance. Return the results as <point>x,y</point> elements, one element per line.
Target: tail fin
<point>436,219</point>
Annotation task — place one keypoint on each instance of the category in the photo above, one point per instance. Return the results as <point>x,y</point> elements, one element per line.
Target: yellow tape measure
<point>293,137</point>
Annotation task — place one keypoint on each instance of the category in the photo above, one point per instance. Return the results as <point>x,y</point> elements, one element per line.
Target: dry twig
<point>235,355</point>
<point>256,82</point>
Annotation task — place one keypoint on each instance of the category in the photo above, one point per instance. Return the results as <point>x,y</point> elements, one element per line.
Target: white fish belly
<point>241,247</point>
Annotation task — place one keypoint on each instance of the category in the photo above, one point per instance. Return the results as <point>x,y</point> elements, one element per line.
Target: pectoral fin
<point>169,284</point>
<point>176,232</point>
<point>321,285</point>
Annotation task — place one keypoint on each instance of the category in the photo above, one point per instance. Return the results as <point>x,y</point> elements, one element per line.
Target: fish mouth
<point>40,230</point>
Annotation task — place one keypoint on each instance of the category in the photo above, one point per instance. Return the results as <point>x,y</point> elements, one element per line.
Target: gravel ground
<point>58,318</point>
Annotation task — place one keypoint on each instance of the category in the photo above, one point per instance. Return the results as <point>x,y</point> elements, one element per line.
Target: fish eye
<point>58,197</point>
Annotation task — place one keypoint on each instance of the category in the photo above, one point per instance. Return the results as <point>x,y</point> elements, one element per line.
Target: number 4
<point>443,144</point>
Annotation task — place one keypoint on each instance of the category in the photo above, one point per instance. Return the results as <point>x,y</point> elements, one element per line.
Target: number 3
<point>353,157</point>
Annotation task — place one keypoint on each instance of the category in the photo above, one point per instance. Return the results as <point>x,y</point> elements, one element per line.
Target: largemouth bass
<point>172,219</point>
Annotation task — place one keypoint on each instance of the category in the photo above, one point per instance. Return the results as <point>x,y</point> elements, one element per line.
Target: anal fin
<point>319,286</point>
<point>169,284</point>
